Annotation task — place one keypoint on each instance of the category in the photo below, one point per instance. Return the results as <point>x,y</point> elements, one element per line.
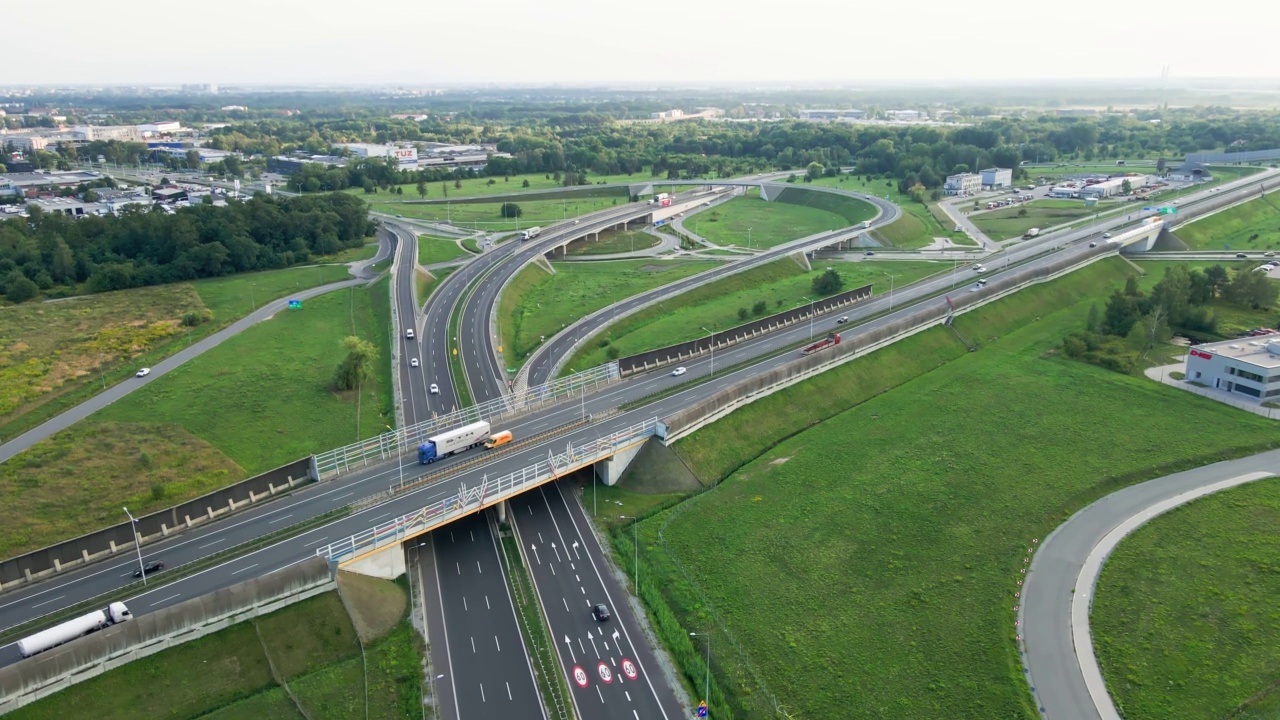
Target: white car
<point>979,269</point>
<point>679,371</point>
<point>1106,235</point>
<point>435,389</point>
<point>408,333</point>
<point>413,362</point>
<point>143,372</point>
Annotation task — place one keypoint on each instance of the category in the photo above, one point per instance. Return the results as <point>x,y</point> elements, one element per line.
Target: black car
<point>154,566</point>
<point>1241,255</point>
<point>600,613</point>
<point>869,252</point>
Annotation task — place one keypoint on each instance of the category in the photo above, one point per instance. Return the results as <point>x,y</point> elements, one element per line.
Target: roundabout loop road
<point>1053,612</point>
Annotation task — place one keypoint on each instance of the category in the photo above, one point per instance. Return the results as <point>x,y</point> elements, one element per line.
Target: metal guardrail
<point>398,442</point>
<point>489,492</point>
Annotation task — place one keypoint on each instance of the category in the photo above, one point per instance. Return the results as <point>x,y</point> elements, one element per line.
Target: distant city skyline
<point>584,42</point>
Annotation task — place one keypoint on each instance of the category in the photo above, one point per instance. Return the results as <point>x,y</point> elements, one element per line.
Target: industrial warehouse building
<point>1248,367</point>
<point>996,178</point>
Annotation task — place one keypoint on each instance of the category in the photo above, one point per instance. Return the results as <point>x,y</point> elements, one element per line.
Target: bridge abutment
<point>387,563</point>
<point>610,470</point>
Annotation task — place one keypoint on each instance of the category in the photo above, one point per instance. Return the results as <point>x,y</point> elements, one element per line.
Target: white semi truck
<point>445,444</point>
<point>530,234</point>
<point>115,613</point>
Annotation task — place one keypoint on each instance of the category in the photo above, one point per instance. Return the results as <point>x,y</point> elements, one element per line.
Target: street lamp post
<point>806,297</point>
<point>713,351</point>
<point>399,455</point>
<point>635,528</point>
<point>252,300</point>
<point>707,692</point>
<point>137,543</point>
<point>749,247</point>
<point>890,290</point>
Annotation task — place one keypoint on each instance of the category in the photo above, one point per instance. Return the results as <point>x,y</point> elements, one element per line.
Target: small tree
<point>828,282</point>
<point>511,210</point>
<point>1126,187</point>
<point>19,288</point>
<point>422,188</point>
<point>457,183</point>
<point>743,313</point>
<point>1022,212</point>
<point>760,307</point>
<point>525,183</point>
<point>492,182</point>
<point>357,366</point>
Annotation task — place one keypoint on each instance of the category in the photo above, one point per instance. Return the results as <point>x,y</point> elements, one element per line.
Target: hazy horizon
<point>576,43</point>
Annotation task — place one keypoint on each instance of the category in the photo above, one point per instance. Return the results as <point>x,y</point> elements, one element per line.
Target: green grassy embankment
<point>488,216</point>
<point>55,355</point>
<point>1252,225</point>
<point>1013,221</point>
<point>1183,620</point>
<point>537,305</point>
<point>866,565</point>
<point>780,285</point>
<point>262,398</point>
<point>313,647</point>
<point>919,224</point>
<point>614,241</point>
<point>481,187</point>
<point>762,224</point>
<point>432,250</point>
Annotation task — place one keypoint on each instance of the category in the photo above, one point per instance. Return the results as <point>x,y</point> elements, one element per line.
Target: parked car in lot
<point>154,566</point>
<point>143,372</point>
<point>600,612</point>
<point>679,371</point>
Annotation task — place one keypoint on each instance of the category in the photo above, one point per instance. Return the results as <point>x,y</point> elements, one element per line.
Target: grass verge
<point>1012,222</point>
<point>718,305</point>
<point>58,354</point>
<point>1183,620</point>
<point>432,250</point>
<point>898,540</point>
<point>488,216</point>
<point>427,283</point>
<point>1252,225</point>
<point>460,387</point>
<point>615,241</point>
<point>751,221</point>
<point>536,306</point>
<point>917,227</point>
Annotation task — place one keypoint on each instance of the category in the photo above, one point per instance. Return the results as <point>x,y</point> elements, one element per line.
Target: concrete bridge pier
<point>502,511</point>
<point>388,563</point>
<point>611,469</point>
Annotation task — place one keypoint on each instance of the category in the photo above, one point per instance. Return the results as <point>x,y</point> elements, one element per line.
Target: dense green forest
<point>55,255</point>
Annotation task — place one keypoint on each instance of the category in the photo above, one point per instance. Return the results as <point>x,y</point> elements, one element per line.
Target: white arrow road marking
<point>572,657</point>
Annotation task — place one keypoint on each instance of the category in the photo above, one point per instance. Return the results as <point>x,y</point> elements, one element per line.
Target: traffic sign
<point>629,669</point>
<point>702,709</point>
<point>295,304</point>
<point>580,676</point>
<point>605,673</point>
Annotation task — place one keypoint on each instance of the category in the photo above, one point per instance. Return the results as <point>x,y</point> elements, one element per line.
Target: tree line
<point>54,255</point>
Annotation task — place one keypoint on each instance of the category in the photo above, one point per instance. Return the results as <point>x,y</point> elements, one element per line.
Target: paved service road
<point>609,676</point>
<point>1049,652</point>
<point>97,402</point>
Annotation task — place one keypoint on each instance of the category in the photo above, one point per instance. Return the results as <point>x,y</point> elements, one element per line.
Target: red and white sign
<point>580,676</point>
<point>605,673</point>
<point>405,156</point>
<point>629,669</point>
<point>1201,354</point>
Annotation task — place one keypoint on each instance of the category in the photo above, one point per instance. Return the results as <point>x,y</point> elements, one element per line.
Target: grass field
<point>1184,620</point>
<point>1253,225</point>
<point>261,399</point>
<point>537,305</point>
<point>762,224</point>
<point>782,285</point>
<point>227,675</point>
<point>364,252</point>
<point>487,216</point>
<point>1005,223</point>
<point>432,250</point>
<point>865,566</point>
<point>853,210</point>
<point>614,241</point>
<point>426,284</point>
<point>54,355</point>
<point>479,187</point>
<point>919,224</point>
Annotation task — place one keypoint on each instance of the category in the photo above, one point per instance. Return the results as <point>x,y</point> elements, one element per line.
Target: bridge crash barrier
<point>680,352</point>
<point>29,680</point>
<point>858,341</point>
<point>489,492</point>
<point>395,443</point>
<point>109,542</point>
<point>478,460</point>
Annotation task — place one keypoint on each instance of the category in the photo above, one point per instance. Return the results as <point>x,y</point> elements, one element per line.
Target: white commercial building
<point>997,178</point>
<point>1114,186</point>
<point>403,155</point>
<point>121,133</point>
<point>833,115</point>
<point>962,184</point>
<point>902,115</point>
<point>1248,367</point>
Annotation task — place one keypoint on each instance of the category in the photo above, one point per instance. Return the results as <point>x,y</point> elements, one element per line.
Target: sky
<point>546,42</point>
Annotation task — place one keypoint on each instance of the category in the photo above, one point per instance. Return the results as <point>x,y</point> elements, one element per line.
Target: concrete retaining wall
<point>683,351</point>
<point>53,670</point>
<point>856,343</point>
<point>111,541</point>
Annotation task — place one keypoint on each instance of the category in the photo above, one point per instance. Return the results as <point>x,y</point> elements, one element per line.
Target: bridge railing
<point>400,441</point>
<point>488,492</point>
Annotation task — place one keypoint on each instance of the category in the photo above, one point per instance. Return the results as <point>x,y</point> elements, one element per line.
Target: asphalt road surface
<point>610,676</point>
<point>106,397</point>
<point>1049,655</point>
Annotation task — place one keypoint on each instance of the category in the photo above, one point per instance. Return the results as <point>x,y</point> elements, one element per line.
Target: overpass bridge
<point>377,552</point>
<point>1141,238</point>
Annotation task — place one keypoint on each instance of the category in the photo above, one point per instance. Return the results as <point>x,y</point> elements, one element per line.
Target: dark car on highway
<point>154,566</point>
<point>600,613</point>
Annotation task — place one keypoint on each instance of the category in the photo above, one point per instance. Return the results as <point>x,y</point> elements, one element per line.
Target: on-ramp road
<point>1065,684</point>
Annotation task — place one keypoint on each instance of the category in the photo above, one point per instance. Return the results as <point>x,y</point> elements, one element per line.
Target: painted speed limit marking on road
<point>628,669</point>
<point>605,673</point>
<point>580,676</point>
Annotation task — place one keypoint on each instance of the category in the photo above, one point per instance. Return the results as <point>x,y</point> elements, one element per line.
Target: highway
<point>30,602</point>
<point>612,673</point>
<point>1054,671</point>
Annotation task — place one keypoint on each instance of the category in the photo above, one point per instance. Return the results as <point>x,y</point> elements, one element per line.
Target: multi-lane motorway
<point>33,601</point>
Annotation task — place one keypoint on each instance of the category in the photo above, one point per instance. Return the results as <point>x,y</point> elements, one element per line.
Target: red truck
<point>831,340</point>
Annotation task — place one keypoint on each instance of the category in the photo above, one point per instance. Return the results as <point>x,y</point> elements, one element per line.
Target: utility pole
<point>635,527</point>
<point>137,543</point>
<point>713,351</point>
